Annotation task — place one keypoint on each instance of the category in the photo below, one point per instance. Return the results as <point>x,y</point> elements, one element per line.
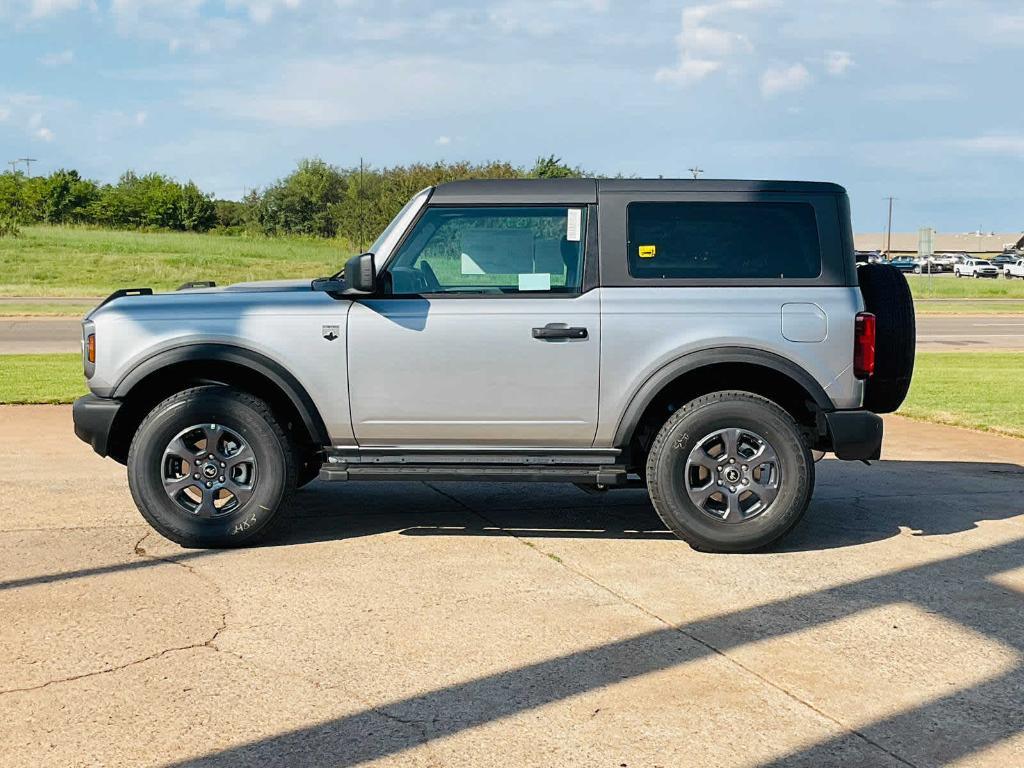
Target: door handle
<point>554,331</point>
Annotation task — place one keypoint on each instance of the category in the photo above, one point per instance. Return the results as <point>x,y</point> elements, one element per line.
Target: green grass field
<point>925,287</point>
<point>74,261</point>
<point>981,390</point>
<point>41,378</point>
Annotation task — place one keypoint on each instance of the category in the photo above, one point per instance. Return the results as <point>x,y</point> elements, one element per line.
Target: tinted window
<point>492,250</point>
<point>723,240</point>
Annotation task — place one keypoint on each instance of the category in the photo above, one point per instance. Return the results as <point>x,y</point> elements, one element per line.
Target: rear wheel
<point>211,467</point>
<point>730,472</point>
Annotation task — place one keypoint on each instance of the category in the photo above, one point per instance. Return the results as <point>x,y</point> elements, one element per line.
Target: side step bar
<point>585,475</point>
<point>598,467</point>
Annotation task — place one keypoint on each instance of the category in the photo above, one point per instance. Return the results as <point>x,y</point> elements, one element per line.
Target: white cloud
<point>687,71</point>
<point>328,92</point>
<point>705,44</point>
<point>1009,145</point>
<point>915,92</point>
<point>5,114</point>
<point>44,134</point>
<point>838,62</point>
<point>542,18</point>
<point>41,8</point>
<point>786,80</point>
<point>443,141</point>
<point>54,60</point>
<point>140,118</point>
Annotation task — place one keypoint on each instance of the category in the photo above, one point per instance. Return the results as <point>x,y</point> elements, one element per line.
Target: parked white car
<point>1014,269</point>
<point>976,268</point>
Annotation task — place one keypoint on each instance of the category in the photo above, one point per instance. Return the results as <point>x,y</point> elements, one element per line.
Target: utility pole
<point>28,164</point>
<point>696,171</point>
<point>360,204</point>
<point>888,230</point>
<point>14,165</point>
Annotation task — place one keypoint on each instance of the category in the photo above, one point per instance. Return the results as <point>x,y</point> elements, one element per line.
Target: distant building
<point>974,243</point>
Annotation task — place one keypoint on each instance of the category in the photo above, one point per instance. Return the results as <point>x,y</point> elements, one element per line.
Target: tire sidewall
<point>208,406</point>
<point>666,474</point>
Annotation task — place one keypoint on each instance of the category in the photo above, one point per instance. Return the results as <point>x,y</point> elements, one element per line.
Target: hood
<point>275,295</point>
<point>258,286</point>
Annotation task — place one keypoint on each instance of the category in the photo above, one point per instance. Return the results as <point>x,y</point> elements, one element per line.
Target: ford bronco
<point>707,340</point>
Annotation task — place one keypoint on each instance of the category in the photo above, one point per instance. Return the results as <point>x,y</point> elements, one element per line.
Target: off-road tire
<point>262,515</point>
<point>724,410</point>
<point>887,296</point>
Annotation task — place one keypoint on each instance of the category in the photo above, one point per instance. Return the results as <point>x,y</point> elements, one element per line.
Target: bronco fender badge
<point>331,332</point>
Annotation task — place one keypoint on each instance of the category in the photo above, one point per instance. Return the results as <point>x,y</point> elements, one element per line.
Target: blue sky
<point>920,99</point>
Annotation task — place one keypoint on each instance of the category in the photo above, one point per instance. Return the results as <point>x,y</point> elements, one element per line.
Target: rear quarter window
<point>711,240</point>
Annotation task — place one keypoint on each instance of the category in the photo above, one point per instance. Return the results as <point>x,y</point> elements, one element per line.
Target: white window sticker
<point>540,281</point>
<point>574,225</point>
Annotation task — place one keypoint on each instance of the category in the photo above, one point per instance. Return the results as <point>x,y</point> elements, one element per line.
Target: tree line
<point>317,199</point>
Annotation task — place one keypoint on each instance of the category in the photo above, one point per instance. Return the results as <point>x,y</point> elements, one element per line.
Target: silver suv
<point>702,339</point>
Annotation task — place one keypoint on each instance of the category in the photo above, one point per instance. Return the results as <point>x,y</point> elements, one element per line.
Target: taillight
<point>90,348</point>
<point>864,345</point>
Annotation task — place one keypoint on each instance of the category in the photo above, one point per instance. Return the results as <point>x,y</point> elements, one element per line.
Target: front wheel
<point>730,472</point>
<point>212,467</point>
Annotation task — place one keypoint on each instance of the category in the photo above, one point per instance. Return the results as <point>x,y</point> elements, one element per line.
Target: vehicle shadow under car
<point>849,507</point>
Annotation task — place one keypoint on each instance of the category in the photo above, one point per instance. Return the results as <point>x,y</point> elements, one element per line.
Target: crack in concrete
<point>669,625</point>
<point>210,642</point>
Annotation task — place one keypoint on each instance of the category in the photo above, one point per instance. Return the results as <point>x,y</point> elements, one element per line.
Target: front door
<point>484,337</point>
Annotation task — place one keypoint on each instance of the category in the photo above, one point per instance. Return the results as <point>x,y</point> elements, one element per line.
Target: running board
<point>503,473</point>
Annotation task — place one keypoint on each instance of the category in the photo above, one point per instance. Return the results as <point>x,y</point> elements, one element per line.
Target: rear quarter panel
<point>645,329</point>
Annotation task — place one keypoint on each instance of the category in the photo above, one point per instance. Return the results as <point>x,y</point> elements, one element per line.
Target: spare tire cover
<point>887,296</point>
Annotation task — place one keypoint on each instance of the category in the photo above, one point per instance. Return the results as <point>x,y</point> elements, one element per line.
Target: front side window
<point>492,250</point>
<point>713,240</point>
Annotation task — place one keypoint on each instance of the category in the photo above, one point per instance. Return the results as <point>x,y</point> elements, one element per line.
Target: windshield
<point>983,263</point>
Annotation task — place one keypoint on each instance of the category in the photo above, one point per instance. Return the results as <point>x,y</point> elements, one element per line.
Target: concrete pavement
<point>480,625</point>
<point>935,332</point>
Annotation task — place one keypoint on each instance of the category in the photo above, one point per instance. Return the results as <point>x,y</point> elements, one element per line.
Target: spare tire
<point>887,296</point>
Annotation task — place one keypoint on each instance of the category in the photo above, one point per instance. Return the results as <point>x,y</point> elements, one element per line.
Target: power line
<point>888,230</point>
<point>696,171</point>
<point>28,164</point>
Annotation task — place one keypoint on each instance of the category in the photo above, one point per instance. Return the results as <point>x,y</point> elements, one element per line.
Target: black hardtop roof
<point>586,190</point>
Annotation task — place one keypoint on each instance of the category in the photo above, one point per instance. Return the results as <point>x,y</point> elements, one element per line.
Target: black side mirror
<point>361,274</point>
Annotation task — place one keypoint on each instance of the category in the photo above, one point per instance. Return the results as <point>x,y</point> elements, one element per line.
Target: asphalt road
<point>935,332</point>
<point>516,625</point>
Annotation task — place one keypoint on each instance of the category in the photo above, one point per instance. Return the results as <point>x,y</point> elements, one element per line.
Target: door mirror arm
<point>359,277</point>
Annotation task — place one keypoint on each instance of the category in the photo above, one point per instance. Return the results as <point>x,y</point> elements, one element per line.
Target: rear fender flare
<point>693,361</point>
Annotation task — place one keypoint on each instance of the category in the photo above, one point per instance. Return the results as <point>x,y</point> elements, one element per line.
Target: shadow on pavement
<point>929,498</point>
<point>940,730</point>
<point>852,505</point>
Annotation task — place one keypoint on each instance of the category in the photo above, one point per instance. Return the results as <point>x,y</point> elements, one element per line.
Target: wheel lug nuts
<point>209,485</point>
<point>732,488</point>
<point>732,461</point>
<point>744,467</point>
<point>195,476</point>
<point>222,478</point>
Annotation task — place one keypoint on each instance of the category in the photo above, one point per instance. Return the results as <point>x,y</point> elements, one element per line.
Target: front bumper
<point>855,435</point>
<point>94,418</point>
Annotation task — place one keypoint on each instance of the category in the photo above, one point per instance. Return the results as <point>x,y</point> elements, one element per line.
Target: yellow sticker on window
<point>647,251</point>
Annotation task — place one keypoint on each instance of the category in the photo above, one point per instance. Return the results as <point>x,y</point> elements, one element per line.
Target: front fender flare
<point>240,356</point>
